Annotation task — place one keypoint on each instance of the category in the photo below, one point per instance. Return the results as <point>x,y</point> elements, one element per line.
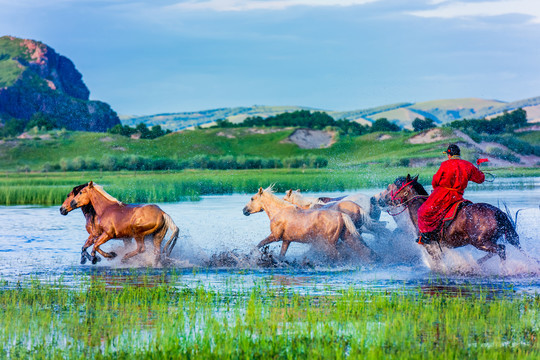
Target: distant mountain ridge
<point>441,111</point>
<point>35,79</point>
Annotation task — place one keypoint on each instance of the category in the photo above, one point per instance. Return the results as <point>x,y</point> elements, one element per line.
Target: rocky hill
<point>441,111</point>
<point>36,79</point>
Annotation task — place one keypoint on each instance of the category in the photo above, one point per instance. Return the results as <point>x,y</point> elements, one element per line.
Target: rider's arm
<point>476,175</point>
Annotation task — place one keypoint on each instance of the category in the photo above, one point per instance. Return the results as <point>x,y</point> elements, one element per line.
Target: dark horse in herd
<point>296,220</point>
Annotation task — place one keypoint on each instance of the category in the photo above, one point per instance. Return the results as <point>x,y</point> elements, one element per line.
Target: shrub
<point>503,154</point>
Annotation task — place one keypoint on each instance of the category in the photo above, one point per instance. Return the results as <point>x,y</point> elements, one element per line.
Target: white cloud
<point>247,5</point>
<point>459,9</point>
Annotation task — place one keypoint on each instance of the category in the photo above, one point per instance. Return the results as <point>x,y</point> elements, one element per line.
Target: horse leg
<point>158,239</point>
<point>434,252</point>
<point>332,252</point>
<point>140,248</point>
<point>491,249</point>
<point>102,239</point>
<point>485,258</point>
<point>501,251</point>
<point>84,254</point>
<point>270,239</point>
<point>284,247</point>
<point>357,244</point>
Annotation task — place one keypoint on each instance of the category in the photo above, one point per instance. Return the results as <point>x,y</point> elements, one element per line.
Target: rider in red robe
<point>448,183</point>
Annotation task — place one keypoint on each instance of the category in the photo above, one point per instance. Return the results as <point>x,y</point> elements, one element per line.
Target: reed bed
<point>165,186</point>
<point>159,318</point>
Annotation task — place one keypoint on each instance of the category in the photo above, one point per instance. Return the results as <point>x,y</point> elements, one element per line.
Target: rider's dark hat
<point>452,150</point>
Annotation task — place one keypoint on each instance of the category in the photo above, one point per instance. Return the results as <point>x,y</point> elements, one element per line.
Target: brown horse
<point>479,225</point>
<point>289,223</point>
<point>116,220</point>
<point>92,225</point>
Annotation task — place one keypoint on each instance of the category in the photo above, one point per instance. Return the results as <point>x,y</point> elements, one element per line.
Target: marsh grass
<point>165,186</point>
<point>157,317</point>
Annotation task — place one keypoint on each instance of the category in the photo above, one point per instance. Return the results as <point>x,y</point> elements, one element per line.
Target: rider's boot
<point>428,238</point>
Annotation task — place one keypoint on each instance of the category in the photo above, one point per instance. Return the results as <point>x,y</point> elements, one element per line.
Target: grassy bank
<point>109,320</point>
<point>145,187</point>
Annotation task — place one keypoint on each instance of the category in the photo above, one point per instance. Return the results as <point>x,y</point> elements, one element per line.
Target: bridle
<point>405,203</point>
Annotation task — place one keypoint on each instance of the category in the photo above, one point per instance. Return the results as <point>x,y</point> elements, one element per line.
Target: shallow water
<point>38,242</point>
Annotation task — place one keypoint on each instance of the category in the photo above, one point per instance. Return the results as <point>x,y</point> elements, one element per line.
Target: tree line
<point>316,120</point>
<point>142,163</point>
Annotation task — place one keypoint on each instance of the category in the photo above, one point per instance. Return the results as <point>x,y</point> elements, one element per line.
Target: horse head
<point>294,197</point>
<point>398,191</point>
<point>76,198</point>
<point>255,204</point>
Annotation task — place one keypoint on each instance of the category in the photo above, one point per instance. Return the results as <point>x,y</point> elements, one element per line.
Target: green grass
<point>146,187</point>
<point>347,151</point>
<point>9,72</point>
<point>157,318</point>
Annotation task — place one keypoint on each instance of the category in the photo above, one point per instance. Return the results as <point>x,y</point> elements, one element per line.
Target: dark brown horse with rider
<point>480,225</point>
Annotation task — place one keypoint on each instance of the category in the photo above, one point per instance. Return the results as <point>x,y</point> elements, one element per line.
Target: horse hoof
<point>113,255</point>
<point>83,260</point>
<point>96,259</point>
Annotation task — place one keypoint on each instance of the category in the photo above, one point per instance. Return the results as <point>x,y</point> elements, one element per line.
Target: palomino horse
<point>366,202</point>
<point>479,225</point>
<point>353,205</point>
<point>116,220</point>
<point>355,212</point>
<point>289,223</point>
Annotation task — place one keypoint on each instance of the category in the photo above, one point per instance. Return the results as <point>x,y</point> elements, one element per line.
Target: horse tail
<point>169,223</point>
<point>349,225</point>
<point>508,226</point>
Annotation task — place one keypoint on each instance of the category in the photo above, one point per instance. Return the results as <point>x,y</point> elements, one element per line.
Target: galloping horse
<point>479,224</point>
<point>353,205</point>
<point>355,211</point>
<point>92,225</point>
<point>116,220</point>
<point>366,202</point>
<point>289,223</point>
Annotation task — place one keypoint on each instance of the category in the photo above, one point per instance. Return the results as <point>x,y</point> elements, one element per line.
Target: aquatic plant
<point>173,186</point>
<point>155,316</point>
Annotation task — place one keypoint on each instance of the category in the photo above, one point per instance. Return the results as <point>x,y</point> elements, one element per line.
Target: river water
<point>37,242</point>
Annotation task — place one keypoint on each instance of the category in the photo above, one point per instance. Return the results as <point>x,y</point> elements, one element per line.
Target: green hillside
<point>374,148</point>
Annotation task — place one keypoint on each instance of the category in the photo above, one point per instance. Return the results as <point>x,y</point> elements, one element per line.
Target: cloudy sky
<point>148,57</point>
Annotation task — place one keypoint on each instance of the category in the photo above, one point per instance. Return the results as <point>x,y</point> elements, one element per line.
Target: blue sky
<point>148,57</point>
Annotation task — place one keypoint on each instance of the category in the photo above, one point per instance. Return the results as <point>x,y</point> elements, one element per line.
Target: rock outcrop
<point>35,79</point>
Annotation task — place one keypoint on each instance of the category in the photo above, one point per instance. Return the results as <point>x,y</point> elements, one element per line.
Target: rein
<point>406,202</point>
<point>394,194</point>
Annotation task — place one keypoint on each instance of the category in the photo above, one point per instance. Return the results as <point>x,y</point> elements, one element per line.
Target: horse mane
<point>270,191</point>
<point>402,180</point>
<point>107,196</point>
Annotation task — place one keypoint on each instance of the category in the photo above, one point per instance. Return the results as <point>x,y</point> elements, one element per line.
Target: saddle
<point>451,214</point>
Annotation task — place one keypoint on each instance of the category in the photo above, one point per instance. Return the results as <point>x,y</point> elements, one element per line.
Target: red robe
<point>448,183</point>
